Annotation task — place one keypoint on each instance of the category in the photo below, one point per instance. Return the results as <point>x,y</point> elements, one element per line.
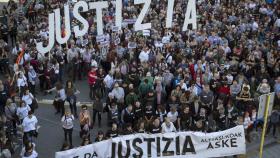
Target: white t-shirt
<point>277,22</point>
<point>67,121</point>
<point>21,82</point>
<point>29,124</point>
<point>33,155</point>
<point>144,56</point>
<point>27,99</point>
<point>22,112</point>
<point>27,57</point>
<point>109,81</point>
<point>172,116</point>
<point>166,129</point>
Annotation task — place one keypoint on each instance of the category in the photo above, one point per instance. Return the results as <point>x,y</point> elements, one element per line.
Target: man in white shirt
<point>144,55</point>
<point>109,80</point>
<point>72,53</point>
<point>173,114</point>
<point>167,126</point>
<point>29,125</point>
<point>118,93</point>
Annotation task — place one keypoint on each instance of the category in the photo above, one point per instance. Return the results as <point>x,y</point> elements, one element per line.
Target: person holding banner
<point>156,128</point>
<point>185,119</point>
<point>100,136</point>
<point>113,132</point>
<point>167,126</point>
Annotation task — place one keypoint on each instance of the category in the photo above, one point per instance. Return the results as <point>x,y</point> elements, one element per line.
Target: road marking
<point>50,102</point>
<point>55,123</point>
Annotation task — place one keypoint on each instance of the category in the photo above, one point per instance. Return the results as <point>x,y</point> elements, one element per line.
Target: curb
<point>50,102</point>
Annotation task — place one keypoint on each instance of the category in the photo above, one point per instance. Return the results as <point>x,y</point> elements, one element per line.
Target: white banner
<point>171,145</point>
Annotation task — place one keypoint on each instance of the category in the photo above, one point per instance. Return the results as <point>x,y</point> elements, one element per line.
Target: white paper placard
<point>146,32</point>
<point>100,38</point>
<point>132,45</point>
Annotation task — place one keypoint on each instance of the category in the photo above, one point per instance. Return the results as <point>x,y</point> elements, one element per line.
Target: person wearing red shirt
<point>224,89</point>
<point>92,76</point>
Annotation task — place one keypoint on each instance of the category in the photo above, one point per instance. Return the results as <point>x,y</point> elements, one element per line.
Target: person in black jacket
<point>156,128</point>
<point>128,115</point>
<point>138,112</point>
<point>149,116</point>
<point>3,98</point>
<point>128,129</point>
<point>97,109</point>
<point>113,132</point>
<point>185,119</point>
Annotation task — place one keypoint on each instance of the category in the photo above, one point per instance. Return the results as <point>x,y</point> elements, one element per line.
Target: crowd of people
<point>207,79</point>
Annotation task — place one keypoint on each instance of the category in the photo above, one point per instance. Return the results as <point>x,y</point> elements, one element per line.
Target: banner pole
<point>264,126</point>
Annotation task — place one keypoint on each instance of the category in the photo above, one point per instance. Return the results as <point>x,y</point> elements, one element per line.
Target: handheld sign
<point>132,45</point>
<point>100,38</point>
<point>115,28</point>
<point>146,32</point>
<point>129,21</point>
<point>117,41</point>
<point>165,39</point>
<point>262,104</point>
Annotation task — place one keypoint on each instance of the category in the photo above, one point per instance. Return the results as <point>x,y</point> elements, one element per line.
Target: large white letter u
<point>41,49</point>
<point>67,33</point>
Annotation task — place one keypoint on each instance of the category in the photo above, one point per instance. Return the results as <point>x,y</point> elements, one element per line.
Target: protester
<point>85,121</point>
<point>29,125</point>
<point>59,99</point>
<point>71,97</point>
<point>68,124</point>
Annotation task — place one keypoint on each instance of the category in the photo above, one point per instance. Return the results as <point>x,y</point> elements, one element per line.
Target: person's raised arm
<point>50,90</point>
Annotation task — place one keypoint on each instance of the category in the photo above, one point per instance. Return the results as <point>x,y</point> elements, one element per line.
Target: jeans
<point>27,136</point>
<point>68,134</point>
<point>273,126</point>
<point>92,91</point>
<point>94,116</point>
<point>72,102</point>
<point>59,106</point>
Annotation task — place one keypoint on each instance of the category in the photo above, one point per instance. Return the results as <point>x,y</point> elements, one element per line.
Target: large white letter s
<point>78,16</point>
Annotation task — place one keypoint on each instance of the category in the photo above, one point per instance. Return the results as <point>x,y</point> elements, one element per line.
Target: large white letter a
<point>190,16</point>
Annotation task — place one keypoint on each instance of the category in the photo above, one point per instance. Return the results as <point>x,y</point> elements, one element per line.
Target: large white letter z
<point>138,24</point>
